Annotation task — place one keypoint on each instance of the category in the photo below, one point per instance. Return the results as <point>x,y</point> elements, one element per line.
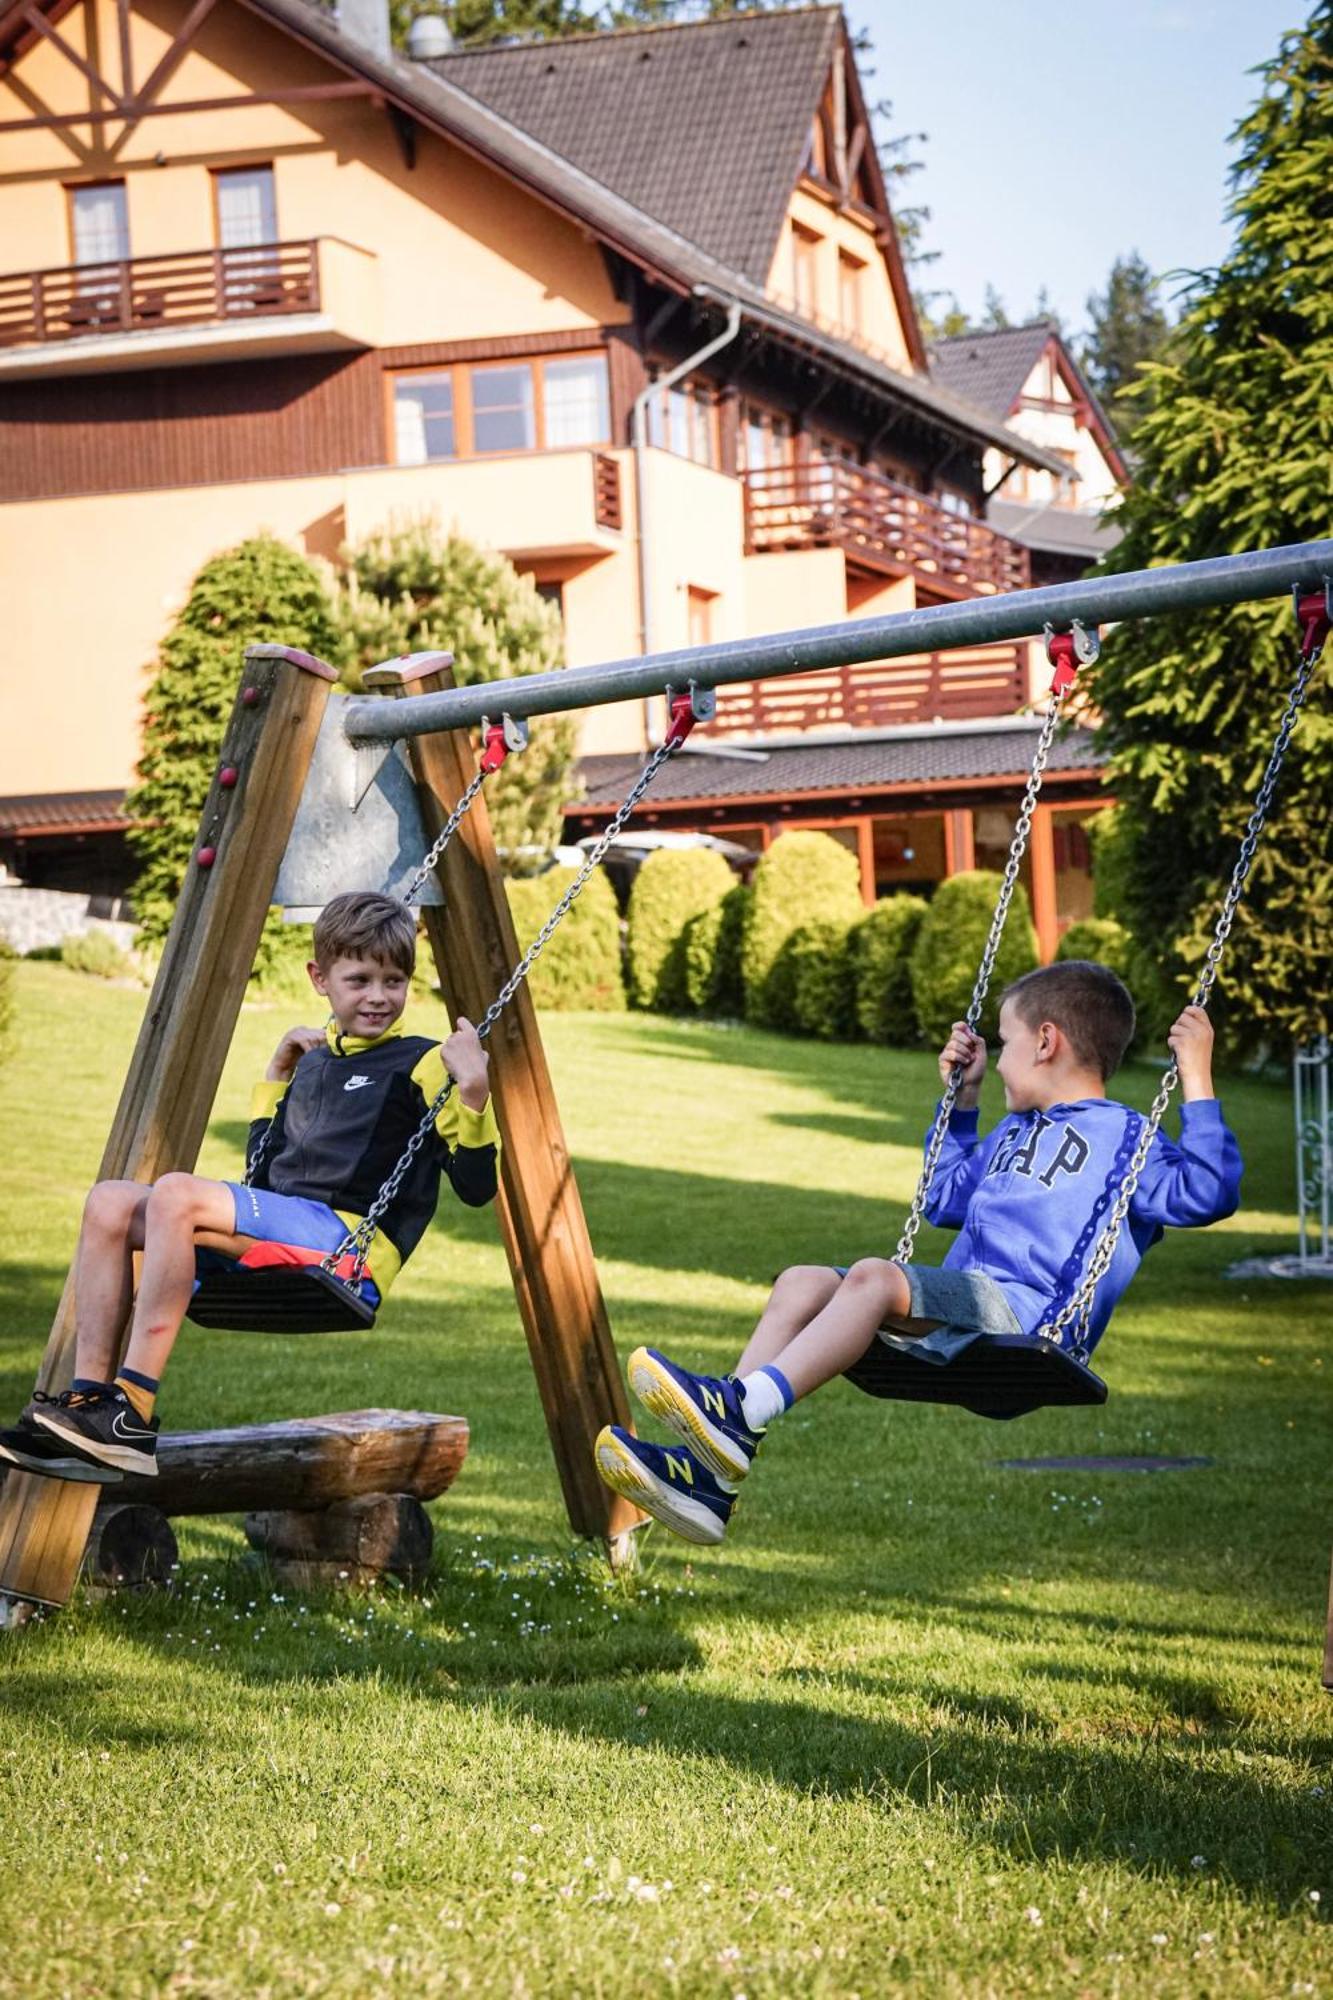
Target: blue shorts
<point>957,1306</point>
<point>291,1220</point>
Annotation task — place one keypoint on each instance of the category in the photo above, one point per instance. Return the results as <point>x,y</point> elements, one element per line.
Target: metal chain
<point>445,835</point>
<point>359,1240</point>
<point>1077,1312</point>
<point>1017,849</point>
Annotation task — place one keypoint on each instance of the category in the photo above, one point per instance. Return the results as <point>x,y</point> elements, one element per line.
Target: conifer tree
<point>260,592</point>
<point>1127,325</point>
<point>1235,452</point>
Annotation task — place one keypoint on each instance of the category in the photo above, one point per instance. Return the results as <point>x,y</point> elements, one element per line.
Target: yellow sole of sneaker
<point>622,1472</point>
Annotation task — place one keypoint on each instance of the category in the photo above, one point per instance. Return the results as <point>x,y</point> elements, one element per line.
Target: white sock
<point>764,1396</point>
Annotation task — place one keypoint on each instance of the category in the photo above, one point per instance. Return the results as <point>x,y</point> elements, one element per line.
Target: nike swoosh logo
<point>120,1429</point>
<point>357,1082</point>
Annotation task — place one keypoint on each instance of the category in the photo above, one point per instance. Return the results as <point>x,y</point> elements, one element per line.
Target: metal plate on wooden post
<point>358,825</point>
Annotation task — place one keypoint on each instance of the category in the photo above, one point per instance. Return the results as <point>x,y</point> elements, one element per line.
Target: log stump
<point>350,1543</point>
<point>130,1547</point>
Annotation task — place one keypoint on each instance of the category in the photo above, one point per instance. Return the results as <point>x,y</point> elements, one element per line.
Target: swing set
<point>412,725</point>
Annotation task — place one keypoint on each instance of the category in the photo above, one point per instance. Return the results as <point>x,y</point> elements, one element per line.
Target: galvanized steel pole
<point>1020,614</point>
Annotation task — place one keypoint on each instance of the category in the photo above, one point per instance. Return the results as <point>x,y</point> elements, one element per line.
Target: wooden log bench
<point>334,1500</point>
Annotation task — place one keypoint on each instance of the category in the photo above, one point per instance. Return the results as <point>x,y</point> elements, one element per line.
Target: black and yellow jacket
<point>335,1131</point>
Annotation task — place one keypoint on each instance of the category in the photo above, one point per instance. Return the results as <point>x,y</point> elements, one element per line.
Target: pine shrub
<point>417,588</point>
<point>802,879</point>
<point>822,983</point>
<point>712,953</point>
<point>881,953</point>
<point>948,951</point>
<point>579,967</point>
<point>672,886</point>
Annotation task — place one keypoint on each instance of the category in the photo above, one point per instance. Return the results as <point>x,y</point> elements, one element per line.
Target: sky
<point>1064,133</point>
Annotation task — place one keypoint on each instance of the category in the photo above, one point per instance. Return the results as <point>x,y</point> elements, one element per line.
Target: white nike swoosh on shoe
<point>120,1429</point>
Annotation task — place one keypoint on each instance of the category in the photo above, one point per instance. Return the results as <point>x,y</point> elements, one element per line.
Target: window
<point>101,223</point>
<point>683,419</point>
<point>577,403</point>
<point>423,410</point>
<point>552,403</point>
<point>700,603</point>
<point>246,207</point>
<point>850,278</point>
<point>805,269</point>
<point>766,439</point>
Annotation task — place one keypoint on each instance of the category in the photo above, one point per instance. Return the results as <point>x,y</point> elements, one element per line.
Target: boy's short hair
<point>361,924</point>
<point>1086,1001</point>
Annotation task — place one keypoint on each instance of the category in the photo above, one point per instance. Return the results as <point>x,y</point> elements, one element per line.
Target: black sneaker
<point>104,1427</point>
<point>35,1450</point>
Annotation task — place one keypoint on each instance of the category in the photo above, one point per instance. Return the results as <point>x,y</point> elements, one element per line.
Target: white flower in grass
<point>1314,1894</point>
<point>333,1909</point>
<point>518,1878</point>
<point>1034,1916</point>
<point>1198,1861</point>
<point>1158,1937</point>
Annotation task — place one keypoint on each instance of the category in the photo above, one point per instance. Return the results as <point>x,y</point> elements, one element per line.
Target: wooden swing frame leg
<point>187,1029</point>
<point>541,1214</point>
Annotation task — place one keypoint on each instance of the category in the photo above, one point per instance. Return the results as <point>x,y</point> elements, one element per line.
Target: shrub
<point>881,952</point>
<point>949,946</point>
<point>712,952</point>
<point>97,953</point>
<point>672,886</point>
<point>1156,1002</point>
<point>823,988</point>
<point>1101,939</point>
<point>579,967</point>
<point>804,878</point>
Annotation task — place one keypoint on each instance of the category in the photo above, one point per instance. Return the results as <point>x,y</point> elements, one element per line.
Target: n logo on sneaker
<point>712,1401</point>
<point>679,1468</point>
<point>357,1082</point>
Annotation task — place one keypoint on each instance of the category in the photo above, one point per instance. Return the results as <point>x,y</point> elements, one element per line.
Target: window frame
<point>461,374</point>
<point>215,176</point>
<point>73,189</point>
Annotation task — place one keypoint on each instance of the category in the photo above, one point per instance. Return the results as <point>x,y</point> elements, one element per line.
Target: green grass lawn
<point>925,1725</point>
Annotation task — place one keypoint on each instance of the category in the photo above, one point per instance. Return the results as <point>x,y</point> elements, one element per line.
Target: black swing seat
<point>279,1299</point>
<point>1000,1375</point>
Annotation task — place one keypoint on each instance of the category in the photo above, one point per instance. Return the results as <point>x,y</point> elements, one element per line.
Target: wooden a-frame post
<point>173,1076</point>
<point>541,1215</point>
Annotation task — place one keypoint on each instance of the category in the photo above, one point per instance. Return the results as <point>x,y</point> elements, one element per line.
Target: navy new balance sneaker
<point>35,1450</point>
<point>668,1482</point>
<point>104,1427</point>
<point>703,1409</point>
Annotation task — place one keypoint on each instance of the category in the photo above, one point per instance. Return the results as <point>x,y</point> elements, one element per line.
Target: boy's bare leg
<point>177,1206</point>
<point>111,1231</point>
<point>798,1294</point>
<point>840,1332</point>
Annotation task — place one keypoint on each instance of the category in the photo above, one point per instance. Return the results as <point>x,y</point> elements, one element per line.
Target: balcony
<point>554,510</point>
<point>880,526</point>
<point>288,298</point>
<point>948,687</point>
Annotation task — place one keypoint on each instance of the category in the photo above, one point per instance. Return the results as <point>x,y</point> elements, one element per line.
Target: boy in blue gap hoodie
<point>1027,1202</point>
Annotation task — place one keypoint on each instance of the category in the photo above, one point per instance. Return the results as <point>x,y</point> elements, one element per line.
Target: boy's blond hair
<point>1087,1001</point>
<point>361,924</point>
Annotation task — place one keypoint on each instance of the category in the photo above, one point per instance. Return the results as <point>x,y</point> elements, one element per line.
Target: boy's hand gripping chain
<point>1066,652</point>
<point>696,704</point>
<point>1314,615</point>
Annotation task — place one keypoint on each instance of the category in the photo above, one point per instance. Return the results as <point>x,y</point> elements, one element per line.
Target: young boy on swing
<point>1023,1201</point>
<point>331,1118</point>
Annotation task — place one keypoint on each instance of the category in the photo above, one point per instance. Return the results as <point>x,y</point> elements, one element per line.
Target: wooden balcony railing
<point>606,491</point>
<point>881,526</point>
<point>151,292</point>
<point>951,687</point>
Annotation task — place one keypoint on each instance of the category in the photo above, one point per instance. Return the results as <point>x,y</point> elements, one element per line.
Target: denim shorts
<point>960,1306</point>
<point>309,1229</point>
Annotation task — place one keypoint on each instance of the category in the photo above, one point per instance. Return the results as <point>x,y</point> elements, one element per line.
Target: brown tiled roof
<point>62,812</point>
<point>702,125</point>
<point>863,765</point>
<point>989,369</point>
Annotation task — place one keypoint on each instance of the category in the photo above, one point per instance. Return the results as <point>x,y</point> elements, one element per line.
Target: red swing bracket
<point>1068,651</point>
<point>1314,615</point>
<point>696,704</point>
<point>498,739</point>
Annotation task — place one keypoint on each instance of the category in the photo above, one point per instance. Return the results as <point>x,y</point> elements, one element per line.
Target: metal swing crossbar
<point>1009,1375</point>
<point>326,1296</point>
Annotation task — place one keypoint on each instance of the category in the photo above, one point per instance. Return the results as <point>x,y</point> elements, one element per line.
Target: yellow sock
<point>140,1399</point>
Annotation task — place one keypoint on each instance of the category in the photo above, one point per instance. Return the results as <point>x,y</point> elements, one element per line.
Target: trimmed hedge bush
<point>1101,939</point>
<point>823,986</point>
<point>673,885</point>
<point>804,878</point>
<point>712,953</point>
<point>97,953</point>
<point>579,967</point>
<point>1156,1002</point>
<point>881,953</point>
<point>949,946</point>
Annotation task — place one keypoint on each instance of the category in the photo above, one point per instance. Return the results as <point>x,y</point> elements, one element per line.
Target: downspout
<point>639,444</point>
